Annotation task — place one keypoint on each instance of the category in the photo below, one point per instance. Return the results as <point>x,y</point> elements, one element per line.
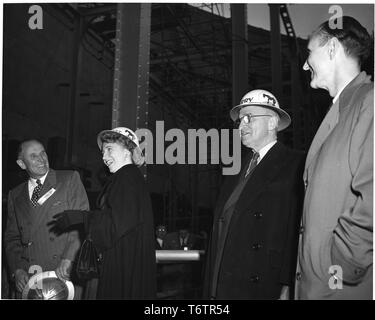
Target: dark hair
<point>22,143</point>
<point>119,138</point>
<point>353,36</point>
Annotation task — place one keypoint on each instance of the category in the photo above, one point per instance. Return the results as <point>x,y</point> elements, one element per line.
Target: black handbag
<point>88,261</point>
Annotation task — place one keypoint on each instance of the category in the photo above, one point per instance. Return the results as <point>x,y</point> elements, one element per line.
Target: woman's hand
<point>66,219</point>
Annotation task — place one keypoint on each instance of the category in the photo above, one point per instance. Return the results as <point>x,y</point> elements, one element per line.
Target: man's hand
<point>21,278</point>
<point>64,269</point>
<point>284,295</point>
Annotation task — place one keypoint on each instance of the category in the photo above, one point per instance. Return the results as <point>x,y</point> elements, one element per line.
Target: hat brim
<point>99,138</point>
<point>48,283</point>
<point>284,122</point>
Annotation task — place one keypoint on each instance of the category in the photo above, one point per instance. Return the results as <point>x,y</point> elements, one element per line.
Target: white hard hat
<point>262,98</point>
<point>137,155</point>
<point>47,286</point>
<point>126,132</point>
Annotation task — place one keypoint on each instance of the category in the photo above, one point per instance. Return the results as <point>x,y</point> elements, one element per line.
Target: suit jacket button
<point>298,276</point>
<point>54,256</point>
<point>29,243</point>
<point>254,279</point>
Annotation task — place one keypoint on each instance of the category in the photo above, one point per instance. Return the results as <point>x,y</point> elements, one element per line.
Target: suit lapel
<point>332,118</point>
<point>23,203</point>
<point>40,211</point>
<point>229,185</point>
<point>263,174</point>
<point>329,123</point>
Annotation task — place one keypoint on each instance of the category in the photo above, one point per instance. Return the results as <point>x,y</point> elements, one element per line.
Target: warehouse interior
<point>94,66</point>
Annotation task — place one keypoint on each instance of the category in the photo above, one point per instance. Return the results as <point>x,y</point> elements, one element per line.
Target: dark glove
<point>68,218</point>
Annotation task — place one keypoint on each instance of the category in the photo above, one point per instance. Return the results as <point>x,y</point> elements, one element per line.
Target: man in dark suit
<point>182,239</point>
<point>253,247</point>
<point>160,233</point>
<point>30,245</point>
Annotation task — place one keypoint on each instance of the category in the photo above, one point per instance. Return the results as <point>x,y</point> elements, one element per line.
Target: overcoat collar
<point>263,174</point>
<point>332,118</point>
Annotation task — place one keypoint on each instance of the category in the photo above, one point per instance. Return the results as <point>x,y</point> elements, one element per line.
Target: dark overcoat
<point>258,255</point>
<point>123,233</point>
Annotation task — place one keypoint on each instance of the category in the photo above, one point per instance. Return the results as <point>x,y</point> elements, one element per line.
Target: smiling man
<point>254,239</point>
<point>29,242</point>
<point>335,248</point>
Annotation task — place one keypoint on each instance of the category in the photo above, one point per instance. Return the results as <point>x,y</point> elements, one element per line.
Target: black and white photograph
<point>193,152</point>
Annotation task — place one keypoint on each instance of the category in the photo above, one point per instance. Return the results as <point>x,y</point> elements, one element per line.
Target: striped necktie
<point>253,163</point>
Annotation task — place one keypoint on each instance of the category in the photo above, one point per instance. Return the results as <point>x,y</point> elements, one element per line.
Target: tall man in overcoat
<point>336,247</point>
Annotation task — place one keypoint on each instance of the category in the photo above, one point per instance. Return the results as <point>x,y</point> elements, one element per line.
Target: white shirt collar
<point>160,241</point>
<point>262,152</point>
<point>337,95</point>
<point>42,179</point>
<point>32,183</point>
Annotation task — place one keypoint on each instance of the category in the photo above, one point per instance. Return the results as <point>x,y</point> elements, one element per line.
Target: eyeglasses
<point>247,118</point>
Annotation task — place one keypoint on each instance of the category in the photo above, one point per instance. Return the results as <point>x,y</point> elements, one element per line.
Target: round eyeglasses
<point>247,118</point>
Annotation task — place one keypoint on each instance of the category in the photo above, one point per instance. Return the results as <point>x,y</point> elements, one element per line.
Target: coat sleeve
<point>77,200</point>
<point>296,202</point>
<point>352,238</point>
<point>12,240</point>
<point>121,217</point>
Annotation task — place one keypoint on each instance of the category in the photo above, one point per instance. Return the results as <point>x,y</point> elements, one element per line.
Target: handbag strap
<point>86,225</point>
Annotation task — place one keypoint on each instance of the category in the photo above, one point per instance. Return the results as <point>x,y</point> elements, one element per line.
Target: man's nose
<point>241,126</point>
<point>306,66</point>
<point>40,159</point>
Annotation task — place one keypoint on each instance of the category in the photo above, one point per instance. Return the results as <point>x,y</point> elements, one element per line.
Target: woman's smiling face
<point>115,155</point>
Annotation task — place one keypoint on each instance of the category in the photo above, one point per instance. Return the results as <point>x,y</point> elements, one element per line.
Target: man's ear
<point>273,123</point>
<point>21,164</point>
<point>333,47</point>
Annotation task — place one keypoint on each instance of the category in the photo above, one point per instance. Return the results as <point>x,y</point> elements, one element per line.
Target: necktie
<point>36,192</point>
<point>253,163</point>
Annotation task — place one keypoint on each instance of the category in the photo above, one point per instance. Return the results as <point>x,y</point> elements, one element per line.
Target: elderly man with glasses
<point>253,247</point>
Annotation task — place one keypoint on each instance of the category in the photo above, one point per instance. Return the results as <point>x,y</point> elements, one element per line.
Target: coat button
<point>258,215</point>
<point>30,243</point>
<point>254,279</point>
<point>54,256</point>
<point>256,246</point>
<point>298,276</point>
